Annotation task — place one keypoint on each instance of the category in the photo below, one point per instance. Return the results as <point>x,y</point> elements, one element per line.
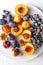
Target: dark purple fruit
<point>10,36</point>
<point>6,44</point>
<point>15,44</point>
<point>2,21</point>
<point>6,11</point>
<point>12,24</point>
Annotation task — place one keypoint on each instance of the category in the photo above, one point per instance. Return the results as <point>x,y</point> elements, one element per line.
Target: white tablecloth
<point>37,61</point>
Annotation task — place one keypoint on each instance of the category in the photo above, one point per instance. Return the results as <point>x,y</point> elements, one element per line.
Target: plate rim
<point>32,57</point>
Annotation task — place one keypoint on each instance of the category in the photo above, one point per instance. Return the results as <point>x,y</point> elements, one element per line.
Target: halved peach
<point>28,49</point>
<point>21,9</point>
<point>16,30</point>
<point>26,35</point>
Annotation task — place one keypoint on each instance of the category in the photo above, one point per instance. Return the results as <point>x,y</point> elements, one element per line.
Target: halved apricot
<point>25,24</point>
<point>16,30</point>
<point>18,19</point>
<point>28,49</point>
<point>3,36</point>
<point>26,35</point>
<point>6,28</point>
<point>21,9</point>
<point>22,43</point>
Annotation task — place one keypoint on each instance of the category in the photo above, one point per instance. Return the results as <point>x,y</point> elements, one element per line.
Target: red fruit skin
<point>6,44</point>
<point>18,19</point>
<point>5,28</point>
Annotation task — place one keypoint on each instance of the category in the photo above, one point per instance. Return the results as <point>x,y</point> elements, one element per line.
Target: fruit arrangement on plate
<point>21,30</point>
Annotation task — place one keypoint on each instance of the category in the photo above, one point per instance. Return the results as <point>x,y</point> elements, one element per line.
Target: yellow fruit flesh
<point>28,32</point>
<point>25,24</point>
<point>3,36</point>
<point>21,9</point>
<point>31,51</point>
<point>17,33</point>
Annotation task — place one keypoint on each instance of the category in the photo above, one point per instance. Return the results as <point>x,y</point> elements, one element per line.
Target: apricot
<point>26,35</point>
<point>25,24</point>
<point>3,36</point>
<point>28,49</point>
<point>6,28</point>
<point>17,19</point>
<point>16,30</point>
<point>22,43</point>
<point>21,9</point>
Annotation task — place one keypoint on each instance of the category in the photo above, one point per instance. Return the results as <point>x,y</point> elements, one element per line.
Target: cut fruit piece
<point>21,9</point>
<point>26,35</point>
<point>16,30</point>
<point>25,24</point>
<point>6,28</point>
<point>18,19</point>
<point>3,36</point>
<point>16,52</point>
<point>22,43</point>
<point>28,49</point>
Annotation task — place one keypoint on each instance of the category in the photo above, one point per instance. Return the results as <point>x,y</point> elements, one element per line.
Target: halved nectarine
<point>16,30</point>
<point>28,49</point>
<point>26,35</point>
<point>21,9</point>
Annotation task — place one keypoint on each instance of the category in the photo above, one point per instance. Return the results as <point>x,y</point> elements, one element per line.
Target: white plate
<point>6,52</point>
